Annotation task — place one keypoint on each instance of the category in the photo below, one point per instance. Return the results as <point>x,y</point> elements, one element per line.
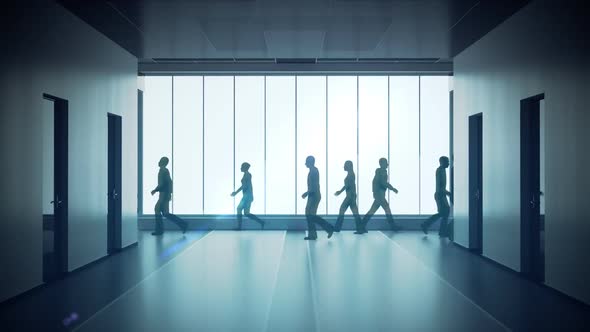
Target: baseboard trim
<point>40,287</point>
<point>519,274</point>
<point>275,222</point>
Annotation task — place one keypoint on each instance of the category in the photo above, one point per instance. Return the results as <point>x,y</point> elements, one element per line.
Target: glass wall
<point>188,144</point>
<point>311,134</point>
<point>404,142</point>
<point>208,126</point>
<point>434,135</point>
<point>342,135</point>
<point>373,134</point>
<point>249,121</point>
<point>157,134</point>
<point>219,145</point>
<point>281,193</point>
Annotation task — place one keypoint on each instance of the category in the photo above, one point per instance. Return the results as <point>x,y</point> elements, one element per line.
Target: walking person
<point>380,186</point>
<point>349,200</point>
<point>247,197</point>
<point>313,200</point>
<point>440,196</point>
<point>163,205</point>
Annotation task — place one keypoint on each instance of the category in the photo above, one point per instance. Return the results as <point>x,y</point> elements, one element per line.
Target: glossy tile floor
<point>275,281</point>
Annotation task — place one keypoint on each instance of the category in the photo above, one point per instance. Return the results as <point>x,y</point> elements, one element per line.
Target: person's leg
<point>309,214</point>
<point>357,219</point>
<point>369,214</point>
<point>426,224</point>
<point>343,207</point>
<point>239,214</point>
<point>385,205</point>
<point>159,227</point>
<point>173,218</point>
<point>250,215</point>
<point>444,213</point>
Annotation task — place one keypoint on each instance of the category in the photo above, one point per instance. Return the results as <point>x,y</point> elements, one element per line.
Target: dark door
<point>114,184</point>
<point>532,260</point>
<point>55,221</point>
<point>475,183</point>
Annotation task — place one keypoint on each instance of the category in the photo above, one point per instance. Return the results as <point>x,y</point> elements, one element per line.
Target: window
<point>311,134</point>
<point>404,143</point>
<point>188,144</point>
<point>434,135</point>
<point>209,125</point>
<point>342,134</point>
<point>280,145</point>
<point>157,134</point>
<point>373,135</point>
<point>250,135</point>
<point>219,145</point>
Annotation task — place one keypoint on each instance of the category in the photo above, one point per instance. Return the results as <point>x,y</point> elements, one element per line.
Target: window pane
<point>404,151</point>
<point>373,137</point>
<point>434,135</point>
<point>157,134</point>
<point>188,145</point>
<point>250,135</point>
<point>219,145</point>
<point>280,145</point>
<point>311,134</point>
<point>342,132</point>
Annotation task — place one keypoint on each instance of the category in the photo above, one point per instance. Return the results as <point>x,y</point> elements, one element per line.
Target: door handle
<point>113,194</point>
<point>532,202</point>
<point>56,202</point>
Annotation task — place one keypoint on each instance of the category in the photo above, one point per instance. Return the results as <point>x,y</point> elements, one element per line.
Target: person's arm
<point>160,182</point>
<point>390,187</point>
<point>313,184</point>
<point>384,183</point>
<point>340,191</point>
<point>237,191</point>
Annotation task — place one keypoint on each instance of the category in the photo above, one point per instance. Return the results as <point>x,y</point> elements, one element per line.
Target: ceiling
<point>168,30</point>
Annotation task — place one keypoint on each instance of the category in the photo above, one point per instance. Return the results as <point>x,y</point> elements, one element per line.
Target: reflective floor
<point>275,281</point>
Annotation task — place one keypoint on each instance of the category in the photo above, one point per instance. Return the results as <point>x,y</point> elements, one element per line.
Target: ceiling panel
<point>294,28</point>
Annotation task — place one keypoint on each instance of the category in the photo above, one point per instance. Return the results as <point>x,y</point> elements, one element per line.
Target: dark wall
<point>45,49</point>
<point>541,49</point>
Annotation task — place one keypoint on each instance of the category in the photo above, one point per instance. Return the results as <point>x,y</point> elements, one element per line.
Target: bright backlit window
<point>209,125</point>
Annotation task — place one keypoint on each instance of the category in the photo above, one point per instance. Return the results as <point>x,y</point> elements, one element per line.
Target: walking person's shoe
<point>184,227</point>
<point>310,238</point>
<point>157,233</point>
<point>424,228</point>
<point>330,232</point>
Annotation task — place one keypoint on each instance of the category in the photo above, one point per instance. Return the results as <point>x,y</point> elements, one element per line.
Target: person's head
<point>245,167</point>
<point>383,163</point>
<point>309,161</point>
<point>163,162</point>
<point>444,161</point>
<point>348,166</point>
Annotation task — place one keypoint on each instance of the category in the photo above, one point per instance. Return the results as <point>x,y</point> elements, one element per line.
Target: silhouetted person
<point>380,186</point>
<point>440,196</point>
<point>162,206</point>
<point>349,200</point>
<point>247,197</point>
<point>313,200</point>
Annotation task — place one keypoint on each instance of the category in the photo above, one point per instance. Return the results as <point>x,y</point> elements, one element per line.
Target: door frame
<point>114,185</point>
<point>476,183</point>
<point>60,178</point>
<point>530,250</point>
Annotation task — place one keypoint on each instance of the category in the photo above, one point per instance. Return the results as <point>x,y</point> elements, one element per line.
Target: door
<point>114,184</point>
<point>532,256</point>
<point>475,183</point>
<point>55,187</point>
